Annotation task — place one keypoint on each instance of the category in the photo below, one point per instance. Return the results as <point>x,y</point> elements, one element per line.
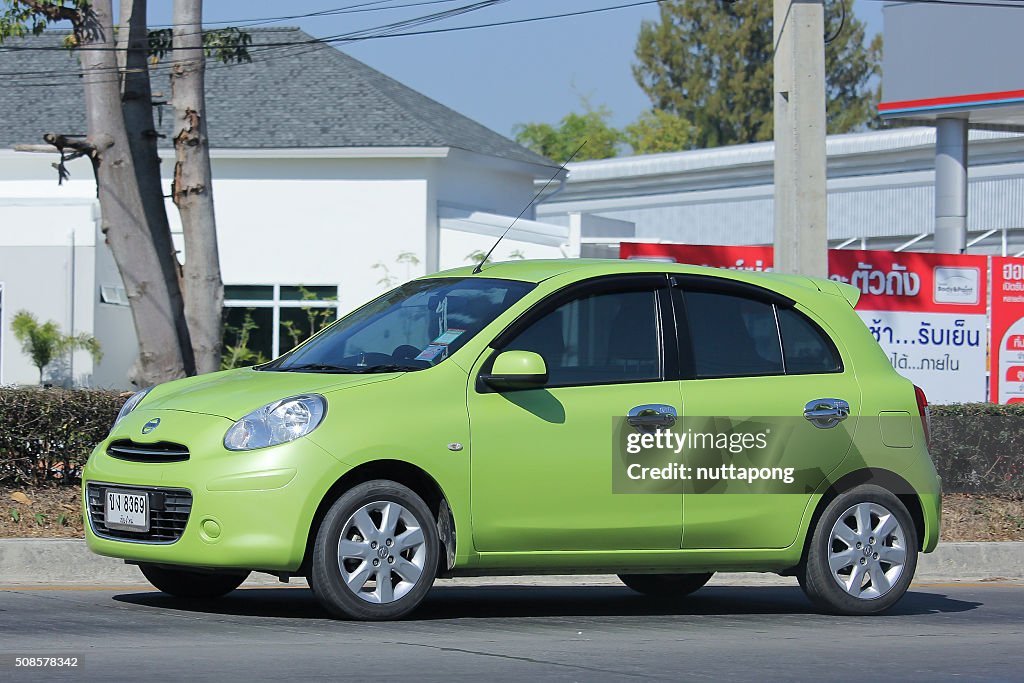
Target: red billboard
<point>1007,360</point>
<point>927,311</point>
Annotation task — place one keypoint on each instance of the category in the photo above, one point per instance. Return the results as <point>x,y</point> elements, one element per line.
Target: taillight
<point>926,415</point>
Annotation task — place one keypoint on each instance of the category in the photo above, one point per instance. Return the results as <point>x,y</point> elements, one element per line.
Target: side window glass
<point>598,339</point>
<point>732,336</point>
<point>806,348</point>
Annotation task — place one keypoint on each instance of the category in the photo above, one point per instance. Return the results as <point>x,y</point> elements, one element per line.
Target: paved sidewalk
<point>26,561</point>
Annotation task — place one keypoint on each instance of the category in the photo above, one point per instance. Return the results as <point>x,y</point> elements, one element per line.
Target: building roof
<point>915,147</point>
<point>881,187</point>
<point>301,96</point>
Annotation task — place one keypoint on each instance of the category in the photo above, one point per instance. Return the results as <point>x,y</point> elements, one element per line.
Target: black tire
<point>326,578</point>
<point>816,576</point>
<point>183,583</point>
<point>665,585</point>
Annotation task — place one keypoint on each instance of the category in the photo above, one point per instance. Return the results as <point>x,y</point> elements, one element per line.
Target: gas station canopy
<point>962,61</point>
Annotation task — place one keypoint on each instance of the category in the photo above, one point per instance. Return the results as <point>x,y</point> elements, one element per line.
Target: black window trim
<point>720,285</point>
<point>658,283</point>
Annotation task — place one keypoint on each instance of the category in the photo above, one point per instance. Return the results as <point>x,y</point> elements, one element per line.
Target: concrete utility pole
<point>950,185</point>
<point>801,237</point>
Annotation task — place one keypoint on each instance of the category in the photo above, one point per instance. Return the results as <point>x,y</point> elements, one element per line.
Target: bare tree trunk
<point>123,213</point>
<point>192,188</point>
<point>137,105</point>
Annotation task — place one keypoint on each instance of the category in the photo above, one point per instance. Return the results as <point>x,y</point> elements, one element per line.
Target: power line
<point>842,24</point>
<point>349,9</point>
<point>345,37</point>
<point>248,23</point>
<point>1009,4</point>
<point>385,31</point>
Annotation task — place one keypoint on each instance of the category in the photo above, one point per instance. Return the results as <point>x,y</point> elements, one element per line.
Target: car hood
<point>234,393</point>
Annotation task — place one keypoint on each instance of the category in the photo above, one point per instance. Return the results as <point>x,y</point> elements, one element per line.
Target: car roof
<point>542,269</point>
<point>539,270</point>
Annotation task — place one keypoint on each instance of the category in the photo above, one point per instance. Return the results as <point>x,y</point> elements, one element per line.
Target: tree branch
<point>76,148</point>
<point>53,12</point>
<point>68,141</point>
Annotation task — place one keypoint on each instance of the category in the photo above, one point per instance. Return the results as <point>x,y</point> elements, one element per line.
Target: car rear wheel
<point>376,553</point>
<point>184,583</point>
<point>665,585</point>
<point>862,553</point>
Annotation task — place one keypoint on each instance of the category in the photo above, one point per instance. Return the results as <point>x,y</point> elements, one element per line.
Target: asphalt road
<point>758,633</point>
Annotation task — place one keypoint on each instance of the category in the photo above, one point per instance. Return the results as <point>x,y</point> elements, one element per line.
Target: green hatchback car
<point>472,423</point>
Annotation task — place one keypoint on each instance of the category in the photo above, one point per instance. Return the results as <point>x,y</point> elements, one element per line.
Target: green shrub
<point>47,434</point>
<point>979,448</point>
<point>976,409</point>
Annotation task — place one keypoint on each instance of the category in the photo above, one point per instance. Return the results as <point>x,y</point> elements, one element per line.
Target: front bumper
<point>249,510</point>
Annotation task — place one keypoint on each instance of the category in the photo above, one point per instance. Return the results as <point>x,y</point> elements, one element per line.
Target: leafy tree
<point>317,317</point>
<point>850,67</point>
<point>477,256</point>
<point>660,131</point>
<point>710,63</point>
<point>177,322</point>
<point>43,342</point>
<point>559,142</point>
<point>407,258</point>
<point>238,354</point>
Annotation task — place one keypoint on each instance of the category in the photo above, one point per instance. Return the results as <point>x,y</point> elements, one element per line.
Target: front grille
<point>161,451</point>
<point>168,513</point>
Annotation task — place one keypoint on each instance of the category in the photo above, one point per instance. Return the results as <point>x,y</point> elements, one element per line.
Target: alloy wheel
<point>381,552</point>
<point>867,550</point>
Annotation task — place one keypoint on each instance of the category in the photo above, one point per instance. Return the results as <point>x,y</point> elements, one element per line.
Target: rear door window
<point>732,336</point>
<point>807,349</point>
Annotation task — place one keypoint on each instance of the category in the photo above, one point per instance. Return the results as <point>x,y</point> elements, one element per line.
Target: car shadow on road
<point>503,602</point>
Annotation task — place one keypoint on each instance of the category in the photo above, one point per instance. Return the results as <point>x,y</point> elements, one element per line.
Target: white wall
<point>281,220</point>
<point>39,223</point>
<point>318,221</point>
<point>471,181</point>
<point>457,245</point>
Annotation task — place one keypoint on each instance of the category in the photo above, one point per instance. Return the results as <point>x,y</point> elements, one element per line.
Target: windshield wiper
<point>389,367</point>
<point>342,369</point>
<point>316,367</point>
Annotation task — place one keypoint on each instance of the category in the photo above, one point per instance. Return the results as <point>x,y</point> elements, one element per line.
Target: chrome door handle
<point>651,416</point>
<point>825,413</point>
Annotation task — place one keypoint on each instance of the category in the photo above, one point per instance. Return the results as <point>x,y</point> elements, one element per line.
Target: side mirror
<point>516,370</point>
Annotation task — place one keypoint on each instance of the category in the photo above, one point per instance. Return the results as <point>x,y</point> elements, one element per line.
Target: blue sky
<point>497,76</point>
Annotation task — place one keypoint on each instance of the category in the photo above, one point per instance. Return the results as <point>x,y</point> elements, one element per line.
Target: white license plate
<point>126,511</point>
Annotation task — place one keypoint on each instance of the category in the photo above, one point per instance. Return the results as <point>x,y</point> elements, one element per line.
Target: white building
<point>881,194</point>
<point>328,175</point>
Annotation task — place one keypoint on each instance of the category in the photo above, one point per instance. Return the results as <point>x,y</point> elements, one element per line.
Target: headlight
<point>131,404</point>
<point>275,423</point>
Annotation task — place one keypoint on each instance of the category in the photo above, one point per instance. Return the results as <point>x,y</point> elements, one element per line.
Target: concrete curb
<point>68,562</point>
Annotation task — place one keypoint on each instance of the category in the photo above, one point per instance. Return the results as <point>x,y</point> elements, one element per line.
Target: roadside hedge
<point>979,448</point>
<point>47,434</point>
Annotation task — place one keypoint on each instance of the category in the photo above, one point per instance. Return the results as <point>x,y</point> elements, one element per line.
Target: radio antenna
<point>561,168</point>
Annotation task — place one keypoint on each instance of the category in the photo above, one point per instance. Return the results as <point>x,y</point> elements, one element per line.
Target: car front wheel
<point>376,553</point>
<point>665,585</point>
<point>183,583</point>
<point>862,553</point>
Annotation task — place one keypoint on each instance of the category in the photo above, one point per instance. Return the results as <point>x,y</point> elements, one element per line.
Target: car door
<point>753,360</point>
<point>542,459</point>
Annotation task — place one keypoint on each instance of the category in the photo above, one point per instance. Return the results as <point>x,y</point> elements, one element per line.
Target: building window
<point>261,322</point>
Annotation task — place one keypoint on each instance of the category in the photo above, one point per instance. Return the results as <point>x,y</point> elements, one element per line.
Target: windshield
<point>413,327</point>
